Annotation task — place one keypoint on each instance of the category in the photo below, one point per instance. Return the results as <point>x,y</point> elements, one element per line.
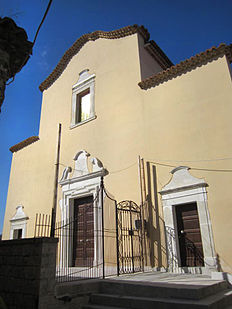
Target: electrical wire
<point>42,21</point>
<point>174,166</point>
<point>202,160</point>
<point>33,43</point>
<point>123,169</point>
<point>114,172</point>
<point>193,168</point>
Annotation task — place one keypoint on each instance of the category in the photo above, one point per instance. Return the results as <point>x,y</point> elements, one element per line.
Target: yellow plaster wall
<point>114,136</point>
<point>110,137</point>
<point>189,119</point>
<point>30,185</point>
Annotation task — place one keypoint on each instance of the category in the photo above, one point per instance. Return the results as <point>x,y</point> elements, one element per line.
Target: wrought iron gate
<point>129,237</point>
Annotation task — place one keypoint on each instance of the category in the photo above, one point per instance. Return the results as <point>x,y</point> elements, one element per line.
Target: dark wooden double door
<point>83,232</point>
<point>189,235</point>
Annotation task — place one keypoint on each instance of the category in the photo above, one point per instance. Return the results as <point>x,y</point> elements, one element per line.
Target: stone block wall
<point>27,272</point>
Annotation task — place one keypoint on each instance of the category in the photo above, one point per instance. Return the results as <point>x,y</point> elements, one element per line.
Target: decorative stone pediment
<point>84,79</point>
<point>182,180</point>
<point>19,215</point>
<point>83,75</point>
<point>83,169</point>
<point>81,163</point>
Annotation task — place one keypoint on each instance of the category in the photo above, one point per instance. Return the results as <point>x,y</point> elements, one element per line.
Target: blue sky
<point>180,28</point>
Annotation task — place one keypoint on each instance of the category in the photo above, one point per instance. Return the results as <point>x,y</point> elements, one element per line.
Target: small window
<point>17,234</point>
<point>83,107</point>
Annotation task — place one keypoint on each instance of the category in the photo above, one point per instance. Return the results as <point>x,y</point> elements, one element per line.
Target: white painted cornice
<point>100,173</point>
<point>81,83</point>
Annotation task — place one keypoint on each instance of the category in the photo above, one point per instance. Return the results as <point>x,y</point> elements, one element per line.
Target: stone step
<point>91,306</point>
<point>162,290</point>
<point>221,300</point>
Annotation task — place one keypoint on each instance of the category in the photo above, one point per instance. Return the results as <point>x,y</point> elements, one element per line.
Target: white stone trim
<point>83,183</point>
<point>19,221</point>
<point>72,126</point>
<point>183,189</point>
<point>85,81</point>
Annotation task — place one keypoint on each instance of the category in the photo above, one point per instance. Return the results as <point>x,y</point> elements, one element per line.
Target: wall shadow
<point>155,221</point>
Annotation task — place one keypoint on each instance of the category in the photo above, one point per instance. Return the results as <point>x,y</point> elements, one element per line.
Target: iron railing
<point>191,257</point>
<point>75,257</point>
<point>195,256</point>
<point>76,251</point>
<point>92,241</point>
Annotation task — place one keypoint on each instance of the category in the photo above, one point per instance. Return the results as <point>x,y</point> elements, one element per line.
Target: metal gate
<point>129,237</point>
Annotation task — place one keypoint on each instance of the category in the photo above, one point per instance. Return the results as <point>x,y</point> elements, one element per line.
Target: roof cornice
<point>188,65</point>
<point>76,47</point>
<point>24,143</point>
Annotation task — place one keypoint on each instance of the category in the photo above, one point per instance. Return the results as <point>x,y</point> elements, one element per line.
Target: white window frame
<point>19,221</point>
<point>85,81</point>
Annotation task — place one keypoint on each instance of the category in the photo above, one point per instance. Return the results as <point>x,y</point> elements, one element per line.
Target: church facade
<point>160,136</point>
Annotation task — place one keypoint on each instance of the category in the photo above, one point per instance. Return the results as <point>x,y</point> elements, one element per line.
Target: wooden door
<point>83,232</point>
<point>189,235</point>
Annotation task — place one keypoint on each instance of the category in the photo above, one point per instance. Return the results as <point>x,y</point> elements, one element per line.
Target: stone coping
<point>187,65</point>
<point>93,36</point>
<point>24,143</point>
<point>38,241</point>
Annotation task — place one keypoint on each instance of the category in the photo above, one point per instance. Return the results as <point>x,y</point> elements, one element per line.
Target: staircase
<point>115,294</point>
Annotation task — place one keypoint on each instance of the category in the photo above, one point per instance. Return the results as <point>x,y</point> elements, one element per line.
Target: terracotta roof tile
<point>152,47</point>
<point>188,64</point>
<point>24,143</point>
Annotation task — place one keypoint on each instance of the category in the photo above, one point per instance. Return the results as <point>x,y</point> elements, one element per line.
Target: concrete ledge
<point>20,242</point>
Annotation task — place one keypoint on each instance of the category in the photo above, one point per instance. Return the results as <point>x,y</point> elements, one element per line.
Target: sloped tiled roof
<point>24,143</point>
<point>152,48</point>
<point>187,65</point>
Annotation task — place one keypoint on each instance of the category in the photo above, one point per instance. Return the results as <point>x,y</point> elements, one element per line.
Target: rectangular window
<point>83,109</point>
<point>83,106</point>
<point>17,234</point>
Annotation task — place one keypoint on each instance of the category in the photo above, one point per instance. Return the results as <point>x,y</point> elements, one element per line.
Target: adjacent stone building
<point>15,50</point>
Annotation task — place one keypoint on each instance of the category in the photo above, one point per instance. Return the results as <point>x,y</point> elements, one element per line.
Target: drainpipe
<point>53,223</point>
